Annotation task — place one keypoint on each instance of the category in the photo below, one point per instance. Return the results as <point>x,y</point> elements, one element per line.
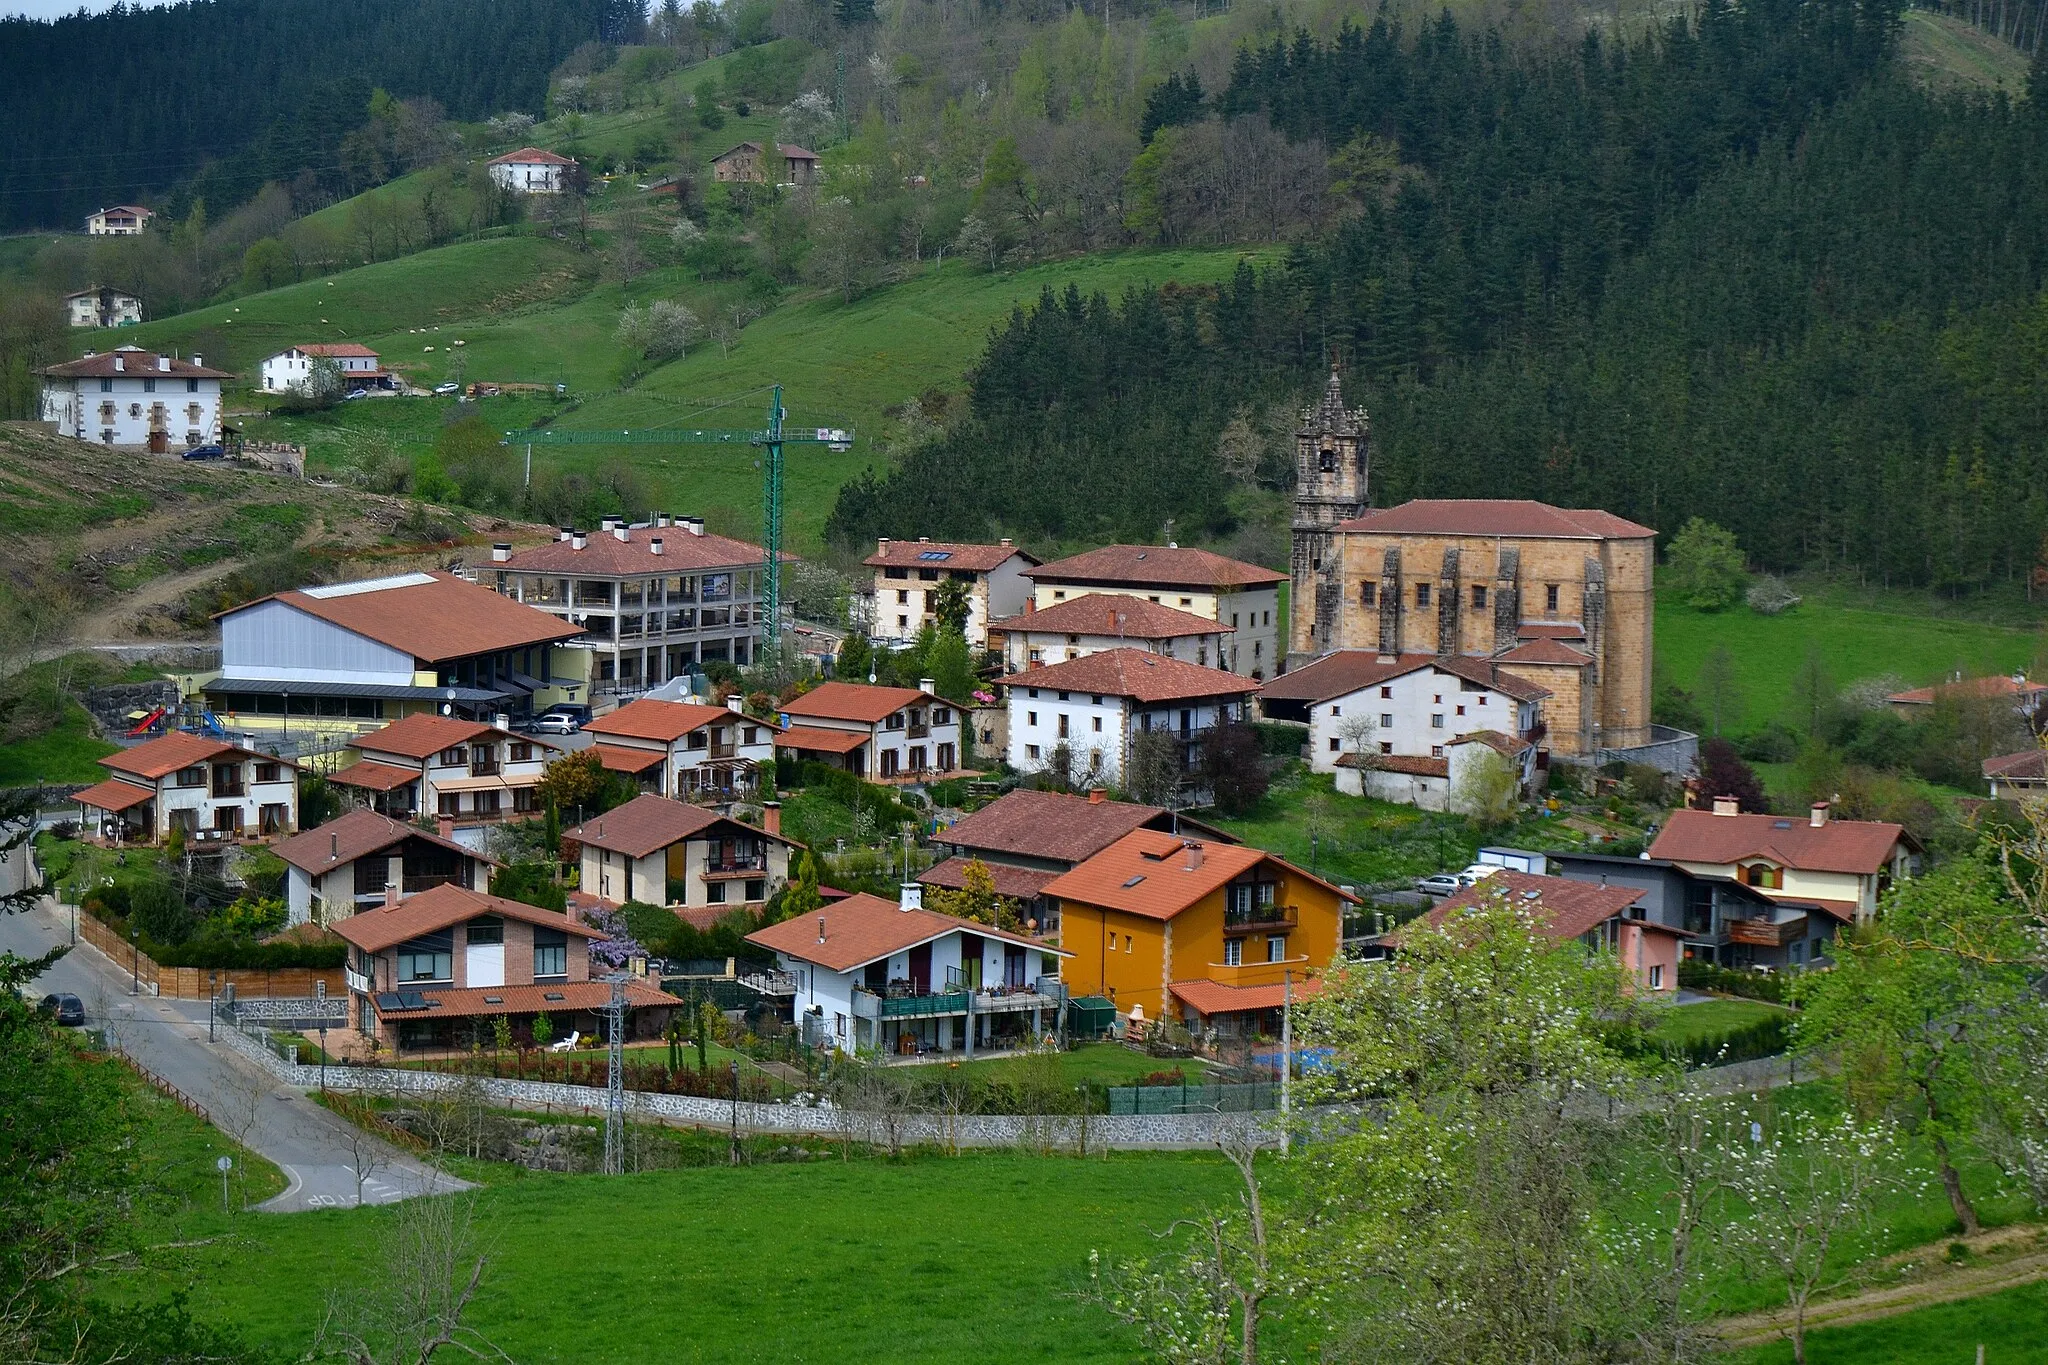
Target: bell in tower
<point>1332,460</point>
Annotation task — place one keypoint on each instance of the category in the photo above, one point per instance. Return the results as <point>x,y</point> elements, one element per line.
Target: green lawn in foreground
<point>927,1259</point>
<point>1856,643</point>
<point>2011,1325</point>
<point>1682,1024</point>
<point>68,752</point>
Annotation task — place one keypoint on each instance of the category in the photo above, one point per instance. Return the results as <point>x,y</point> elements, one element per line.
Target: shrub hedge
<point>1705,976</point>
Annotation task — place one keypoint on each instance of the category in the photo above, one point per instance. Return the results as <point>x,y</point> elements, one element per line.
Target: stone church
<point>1558,596</point>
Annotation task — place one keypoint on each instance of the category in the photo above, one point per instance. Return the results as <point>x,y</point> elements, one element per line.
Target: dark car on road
<point>206,453</point>
<point>65,1008</point>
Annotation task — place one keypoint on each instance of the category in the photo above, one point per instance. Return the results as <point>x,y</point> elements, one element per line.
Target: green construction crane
<point>771,439</point>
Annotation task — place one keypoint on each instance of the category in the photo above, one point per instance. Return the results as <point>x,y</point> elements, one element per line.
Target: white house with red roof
<point>136,399</point>
<point>663,852</point>
<point>1611,919</point>
<point>886,734</point>
<point>2028,698</point>
<point>685,749</point>
<point>655,600</point>
<point>1812,863</point>
<point>2015,776</point>
<point>102,306</point>
<point>910,573</point>
<point>1097,707</point>
<point>1096,621</point>
<point>1406,706</point>
<point>468,772</point>
<point>122,220</point>
<point>356,860</point>
<point>899,980</point>
<point>209,789</point>
<point>531,170</point>
<point>291,370</point>
<point>1228,591</point>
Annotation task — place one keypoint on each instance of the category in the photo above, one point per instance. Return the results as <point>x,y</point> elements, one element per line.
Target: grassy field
<point>1857,641</point>
<point>1103,1064</point>
<point>1682,1024</point>
<point>66,752</point>
<point>2011,1325</point>
<point>1947,54</point>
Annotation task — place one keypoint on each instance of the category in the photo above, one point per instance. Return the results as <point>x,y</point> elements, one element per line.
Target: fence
<point>198,983</point>
<point>1676,752</point>
<point>1242,1098</point>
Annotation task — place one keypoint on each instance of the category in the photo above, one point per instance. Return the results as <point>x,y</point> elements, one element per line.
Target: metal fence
<point>1241,1098</point>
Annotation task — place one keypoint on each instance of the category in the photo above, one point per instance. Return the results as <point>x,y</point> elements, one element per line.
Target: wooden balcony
<point>1261,919</point>
<point>1763,933</point>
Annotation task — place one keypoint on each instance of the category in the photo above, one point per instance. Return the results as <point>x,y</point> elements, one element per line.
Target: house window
<point>522,752</point>
<point>1386,720</point>
<point>149,386</point>
<point>266,772</point>
<point>1233,952</point>
<point>698,739</point>
<point>449,803</point>
<point>1479,597</point>
<point>757,890</point>
<point>522,800</point>
<point>191,386</point>
<point>106,386</point>
<point>1550,598</point>
<point>1336,744</point>
<point>1461,710</point>
<point>485,929</point>
<point>453,758</point>
<point>1436,721</point>
<point>1368,595</point>
<point>430,957</point>
<point>1657,975</point>
<point>1386,694</point>
<point>1764,875</point>
<point>1187,601</point>
<point>942,715</point>
<point>1127,943</point>
<point>1385,747</point>
<point>1276,948</point>
<point>1098,725</point>
<point>190,777</point>
<point>750,734</point>
<point>1436,751</point>
<point>715,893</point>
<point>1336,711</point>
<point>1031,751</point>
<point>1269,618</point>
<point>550,953</point>
<point>1031,718</point>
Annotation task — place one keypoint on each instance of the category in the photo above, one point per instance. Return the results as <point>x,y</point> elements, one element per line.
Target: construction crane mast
<point>769,439</point>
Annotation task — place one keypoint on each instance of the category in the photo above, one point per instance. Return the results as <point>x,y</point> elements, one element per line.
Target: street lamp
<point>212,1006</point>
<point>734,1065</point>
<point>320,994</point>
<point>135,962</point>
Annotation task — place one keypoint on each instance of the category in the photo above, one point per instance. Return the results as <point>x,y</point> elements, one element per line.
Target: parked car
<point>1442,884</point>
<point>444,390</point>
<point>358,393</point>
<point>575,710</point>
<point>206,453</point>
<point>67,1009</point>
<point>1477,873</point>
<point>554,723</point>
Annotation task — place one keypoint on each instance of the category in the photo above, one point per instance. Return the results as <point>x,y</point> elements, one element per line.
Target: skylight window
<point>934,555</point>
<point>1134,881</point>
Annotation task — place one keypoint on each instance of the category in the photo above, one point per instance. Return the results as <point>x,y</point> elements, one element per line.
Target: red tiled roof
<point>1409,764</point>
<point>422,735</point>
<point>385,926</point>
<point>1995,686</point>
<point>445,1003</point>
<point>1211,998</point>
<point>1347,670</point>
<point>1147,873</point>
<point>1506,745</point>
<point>133,364</point>
<point>373,776</point>
<point>790,149</point>
<point>1018,883</point>
<point>863,928</point>
<point>354,835</point>
<point>531,156</point>
<point>667,721</point>
<point>114,795</point>
<point>1054,826</point>
<point>1136,673</point>
<point>1550,630</point>
<point>821,740</point>
<point>1547,651</point>
<point>337,350</point>
<point>431,616</point>
<point>913,554</point>
<point>166,754</point>
<point>854,701</point>
<point>645,824</point>
<point>1512,517</point>
<point>614,759</point>
<point>605,554</point>
<point>1845,911</point>
<point>2027,765</point>
<point>1569,908</point>
<point>1861,847</point>
<point>1113,613</point>
<point>1156,566</point>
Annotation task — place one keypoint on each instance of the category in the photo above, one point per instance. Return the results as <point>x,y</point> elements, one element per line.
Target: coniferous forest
<point>1738,268</point>
<point>110,107</point>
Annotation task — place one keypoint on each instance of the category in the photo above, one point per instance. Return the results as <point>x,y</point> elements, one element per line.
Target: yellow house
<point>1209,934</point>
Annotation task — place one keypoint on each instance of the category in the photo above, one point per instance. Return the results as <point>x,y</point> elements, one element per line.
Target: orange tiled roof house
<point>208,789</point>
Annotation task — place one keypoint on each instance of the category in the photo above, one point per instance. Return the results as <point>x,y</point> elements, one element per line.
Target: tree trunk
<point>1799,1331</point>
<point>1952,1185</point>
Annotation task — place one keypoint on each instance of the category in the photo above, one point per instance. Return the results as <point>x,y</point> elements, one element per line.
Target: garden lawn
<point>2011,1325</point>
<point>1855,642</point>
<point>928,1259</point>
<point>1100,1063</point>
<point>1683,1024</point>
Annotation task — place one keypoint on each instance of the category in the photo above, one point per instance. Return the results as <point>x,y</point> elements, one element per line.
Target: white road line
<point>291,1189</point>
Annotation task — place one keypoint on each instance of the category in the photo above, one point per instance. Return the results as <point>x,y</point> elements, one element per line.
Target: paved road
<point>316,1150</point>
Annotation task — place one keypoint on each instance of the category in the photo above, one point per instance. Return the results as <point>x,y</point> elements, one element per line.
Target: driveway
<point>317,1151</point>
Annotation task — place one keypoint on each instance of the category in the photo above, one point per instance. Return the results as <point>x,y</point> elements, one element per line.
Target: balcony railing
<point>223,790</point>
<point>868,1005</point>
<point>1260,917</point>
<point>736,866</point>
<point>1763,933</point>
<point>918,729</point>
<point>357,982</point>
<point>487,767</point>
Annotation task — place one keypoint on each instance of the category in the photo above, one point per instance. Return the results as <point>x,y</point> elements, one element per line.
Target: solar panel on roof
<point>935,554</point>
<point>555,996</point>
<point>1135,880</point>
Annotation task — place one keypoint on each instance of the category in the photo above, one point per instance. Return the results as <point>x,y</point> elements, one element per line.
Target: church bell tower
<point>1332,460</point>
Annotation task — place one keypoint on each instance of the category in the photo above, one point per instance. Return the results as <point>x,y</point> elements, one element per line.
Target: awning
<point>113,795</point>
<point>305,687</point>
<point>374,776</point>
<point>494,783</point>
<point>615,759</point>
<point>1209,998</point>
<point>820,741</point>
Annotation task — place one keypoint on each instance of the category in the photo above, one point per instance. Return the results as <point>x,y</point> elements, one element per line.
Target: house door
<point>970,962</point>
<point>921,968</point>
<point>1013,965</point>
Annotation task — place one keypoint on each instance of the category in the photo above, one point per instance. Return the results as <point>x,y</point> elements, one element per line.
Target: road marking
<point>291,1189</point>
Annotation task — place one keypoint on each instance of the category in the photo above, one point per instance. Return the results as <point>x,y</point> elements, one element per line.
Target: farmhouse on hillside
<point>207,789</point>
<point>102,306</point>
<point>468,772</point>
<point>355,367</point>
<point>663,852</point>
<point>1097,621</point>
<point>686,750</point>
<point>1614,919</point>
<point>1817,865</point>
<point>884,734</point>
<point>1096,707</point>
<point>134,399</point>
<point>122,220</point>
<point>531,170</point>
<point>749,161</point>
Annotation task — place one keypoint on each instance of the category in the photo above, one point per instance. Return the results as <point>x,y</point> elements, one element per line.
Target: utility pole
<point>734,1072</point>
<point>615,1088</point>
<point>771,525</point>
<point>320,994</point>
<point>213,1008</point>
<point>1286,1056</point>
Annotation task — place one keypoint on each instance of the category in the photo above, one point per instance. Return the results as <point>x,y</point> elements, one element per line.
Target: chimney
<point>198,361</point>
<point>1004,542</point>
<point>501,721</point>
<point>391,895</point>
<point>882,546</point>
<point>735,703</point>
<point>1095,796</point>
<point>163,364</point>
<point>120,364</point>
<point>333,847</point>
<point>563,533</point>
<point>1818,816</point>
<point>500,552</point>
<point>821,928</point>
<point>619,529</point>
<point>661,519</point>
<point>1194,855</point>
<point>577,540</point>
<point>606,523</point>
<point>1727,805</point>
<point>654,545</point>
<point>771,817</point>
<point>694,525</point>
<point>927,686</point>
<point>911,898</point>
<point>444,825</point>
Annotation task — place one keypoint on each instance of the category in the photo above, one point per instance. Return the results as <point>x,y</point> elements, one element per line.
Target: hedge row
<point>1705,976</point>
<point>1765,1038</point>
